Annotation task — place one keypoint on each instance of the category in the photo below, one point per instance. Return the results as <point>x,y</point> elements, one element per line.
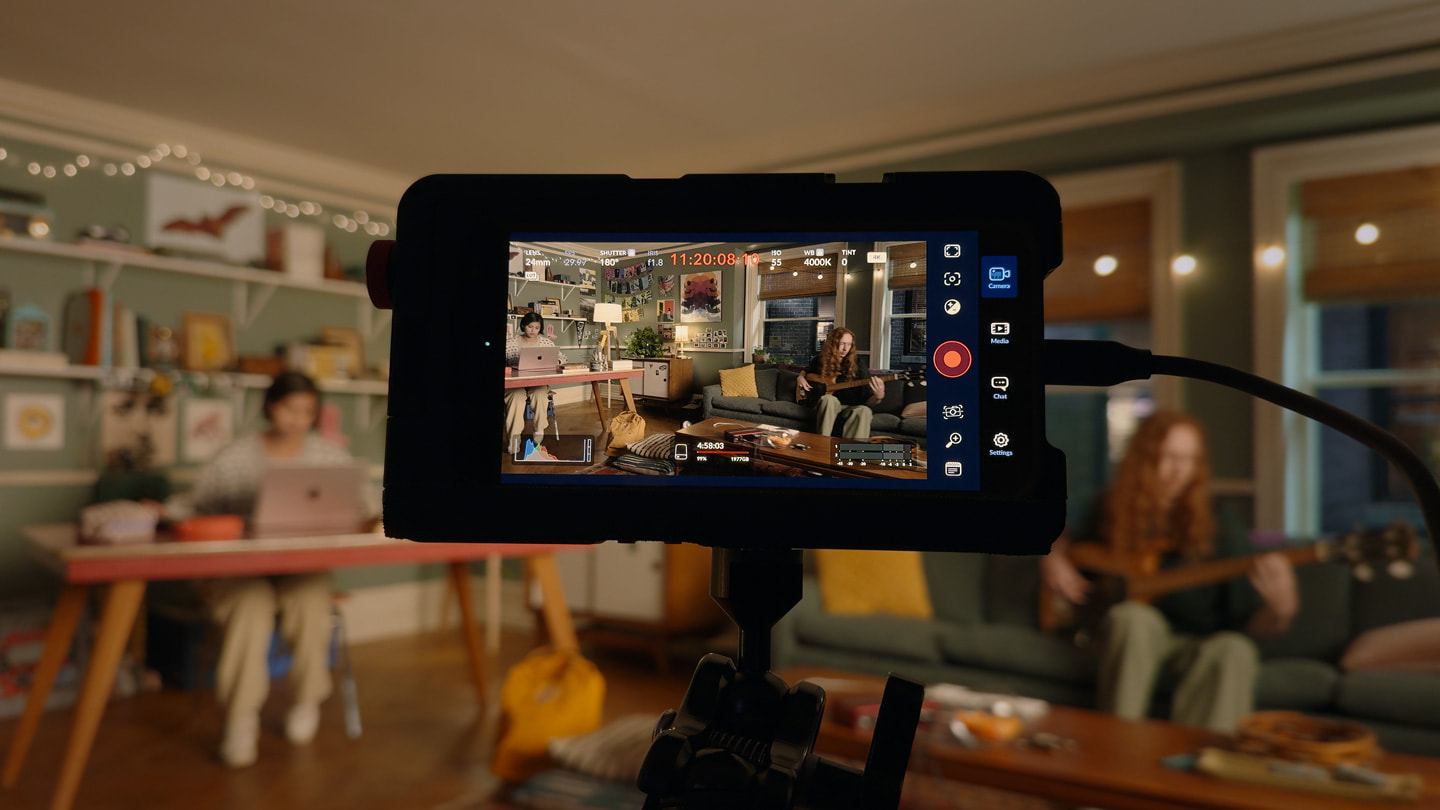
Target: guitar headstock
<point>1395,548</point>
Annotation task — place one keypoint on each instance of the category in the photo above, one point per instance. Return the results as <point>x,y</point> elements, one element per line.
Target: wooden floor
<point>582,419</point>
<point>425,745</point>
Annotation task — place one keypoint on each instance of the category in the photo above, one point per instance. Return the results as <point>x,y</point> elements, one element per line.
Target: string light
<point>1367,234</point>
<point>1105,265</point>
<point>1183,265</point>
<point>1273,256</point>
<point>152,158</point>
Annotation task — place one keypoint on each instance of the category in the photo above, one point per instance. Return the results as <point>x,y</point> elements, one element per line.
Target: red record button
<point>952,358</point>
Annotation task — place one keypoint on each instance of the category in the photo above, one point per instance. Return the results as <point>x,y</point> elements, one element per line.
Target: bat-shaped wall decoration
<point>214,226</point>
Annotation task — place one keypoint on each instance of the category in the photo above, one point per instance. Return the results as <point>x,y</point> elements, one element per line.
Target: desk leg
<point>552,602</point>
<point>117,618</point>
<point>599,408</point>
<point>492,607</point>
<point>57,644</point>
<point>629,397</point>
<point>460,579</point>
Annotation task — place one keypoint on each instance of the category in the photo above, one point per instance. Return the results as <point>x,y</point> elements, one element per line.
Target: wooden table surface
<point>818,455</point>
<point>1115,764</point>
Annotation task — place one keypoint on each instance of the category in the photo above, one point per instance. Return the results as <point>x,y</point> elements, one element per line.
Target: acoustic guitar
<point>819,388</point>
<point>1116,578</point>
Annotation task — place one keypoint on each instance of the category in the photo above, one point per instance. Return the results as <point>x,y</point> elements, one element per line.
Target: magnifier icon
<point>954,440</point>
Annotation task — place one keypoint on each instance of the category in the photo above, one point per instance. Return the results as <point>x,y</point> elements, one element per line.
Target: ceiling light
<point>1367,234</point>
<point>1183,265</point>
<point>1273,256</point>
<point>1105,265</point>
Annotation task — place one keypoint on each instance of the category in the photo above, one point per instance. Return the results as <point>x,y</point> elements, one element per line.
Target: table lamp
<point>607,314</point>
<point>682,334</point>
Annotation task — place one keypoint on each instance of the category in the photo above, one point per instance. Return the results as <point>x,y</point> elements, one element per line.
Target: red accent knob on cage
<point>377,268</point>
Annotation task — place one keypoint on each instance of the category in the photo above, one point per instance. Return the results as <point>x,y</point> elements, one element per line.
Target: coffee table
<point>818,455</point>
<point>1115,763</point>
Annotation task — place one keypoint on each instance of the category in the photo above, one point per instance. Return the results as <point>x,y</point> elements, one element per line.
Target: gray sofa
<point>985,635</point>
<point>776,405</point>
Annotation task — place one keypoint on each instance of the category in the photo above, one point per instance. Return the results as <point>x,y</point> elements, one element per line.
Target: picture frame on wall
<point>665,311</point>
<point>207,342</point>
<point>199,219</point>
<point>350,339</point>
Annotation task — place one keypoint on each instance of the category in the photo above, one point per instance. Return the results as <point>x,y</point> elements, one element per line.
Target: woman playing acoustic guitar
<point>1157,515</point>
<point>836,363</point>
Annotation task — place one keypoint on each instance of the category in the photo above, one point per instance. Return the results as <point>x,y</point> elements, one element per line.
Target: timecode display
<point>703,259</point>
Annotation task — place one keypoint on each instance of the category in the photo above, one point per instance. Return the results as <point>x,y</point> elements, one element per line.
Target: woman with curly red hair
<point>1158,514</point>
<point>851,407</point>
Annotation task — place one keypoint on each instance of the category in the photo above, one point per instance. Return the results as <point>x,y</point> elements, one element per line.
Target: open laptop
<point>536,360</point>
<point>309,499</point>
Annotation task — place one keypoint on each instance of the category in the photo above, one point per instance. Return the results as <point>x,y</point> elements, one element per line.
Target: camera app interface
<point>842,360</point>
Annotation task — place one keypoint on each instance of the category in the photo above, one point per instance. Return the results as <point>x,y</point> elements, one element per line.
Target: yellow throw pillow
<point>864,583</point>
<point>738,382</point>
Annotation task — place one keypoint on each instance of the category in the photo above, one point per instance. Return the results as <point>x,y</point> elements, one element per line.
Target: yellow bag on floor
<point>548,694</point>
<point>626,428</point>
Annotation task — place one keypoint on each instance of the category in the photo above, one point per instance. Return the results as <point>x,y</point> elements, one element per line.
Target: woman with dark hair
<point>246,607</point>
<point>837,363</point>
<point>1158,514</point>
<point>538,397</point>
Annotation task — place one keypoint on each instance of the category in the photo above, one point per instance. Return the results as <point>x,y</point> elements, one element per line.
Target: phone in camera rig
<point>970,470</point>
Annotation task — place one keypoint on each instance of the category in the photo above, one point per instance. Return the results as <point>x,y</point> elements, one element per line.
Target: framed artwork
<point>665,311</point>
<point>209,426</point>
<point>193,217</point>
<point>700,298</point>
<point>137,430</point>
<point>207,342</point>
<point>353,342</point>
<point>34,421</point>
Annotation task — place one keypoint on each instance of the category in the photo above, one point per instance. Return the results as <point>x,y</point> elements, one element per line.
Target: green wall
<point>163,297</point>
<point>1213,148</point>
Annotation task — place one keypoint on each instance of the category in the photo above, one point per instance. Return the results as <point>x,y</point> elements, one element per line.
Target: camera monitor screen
<point>773,386</point>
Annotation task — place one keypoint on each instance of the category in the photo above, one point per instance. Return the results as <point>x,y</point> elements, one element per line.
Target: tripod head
<point>743,738</point>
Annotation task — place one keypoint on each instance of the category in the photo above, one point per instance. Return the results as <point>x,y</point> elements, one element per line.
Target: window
<point>797,303</point>
<point>906,347</point>
<point>1114,284</point>
<point>1348,278</point>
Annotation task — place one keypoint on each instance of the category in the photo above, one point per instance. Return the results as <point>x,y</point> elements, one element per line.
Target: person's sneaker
<point>539,438</point>
<point>302,722</point>
<point>514,445</point>
<point>239,745</point>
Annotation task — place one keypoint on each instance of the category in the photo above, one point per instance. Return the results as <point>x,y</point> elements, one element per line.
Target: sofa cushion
<point>884,423</point>
<point>787,410</point>
<point>785,384</point>
<point>738,382</point>
<point>1322,628</point>
<point>859,582</point>
<point>1407,698</point>
<point>1022,650</point>
<point>1299,684</point>
<point>913,426</point>
<point>765,382</point>
<point>894,398</point>
<point>738,404</point>
<point>1412,646</point>
<point>914,410</point>
<point>913,639</point>
<point>957,586</point>
<point>1012,592</point>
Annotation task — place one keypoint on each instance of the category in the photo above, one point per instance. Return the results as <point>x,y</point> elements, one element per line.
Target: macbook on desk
<point>536,360</point>
<point>307,499</point>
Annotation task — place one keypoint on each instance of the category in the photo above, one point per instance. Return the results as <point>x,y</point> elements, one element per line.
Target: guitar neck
<point>840,386</point>
<point>1160,583</point>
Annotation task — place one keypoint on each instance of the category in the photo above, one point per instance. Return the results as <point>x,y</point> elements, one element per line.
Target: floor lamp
<point>609,315</point>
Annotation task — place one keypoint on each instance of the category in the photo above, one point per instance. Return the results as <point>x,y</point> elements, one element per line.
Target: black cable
<point>1105,363</point>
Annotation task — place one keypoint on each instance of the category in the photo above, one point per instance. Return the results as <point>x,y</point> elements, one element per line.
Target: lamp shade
<point>682,333</point>
<point>606,313</point>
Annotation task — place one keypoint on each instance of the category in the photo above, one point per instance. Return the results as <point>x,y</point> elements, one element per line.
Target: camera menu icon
<point>999,277</point>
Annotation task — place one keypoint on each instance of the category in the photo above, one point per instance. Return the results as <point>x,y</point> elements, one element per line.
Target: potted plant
<point>643,342</point>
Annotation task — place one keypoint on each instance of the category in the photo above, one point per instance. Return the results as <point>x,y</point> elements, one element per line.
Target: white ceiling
<point>385,91</point>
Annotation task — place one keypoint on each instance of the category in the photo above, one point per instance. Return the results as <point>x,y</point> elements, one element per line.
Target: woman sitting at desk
<point>246,606</point>
<point>537,396</point>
